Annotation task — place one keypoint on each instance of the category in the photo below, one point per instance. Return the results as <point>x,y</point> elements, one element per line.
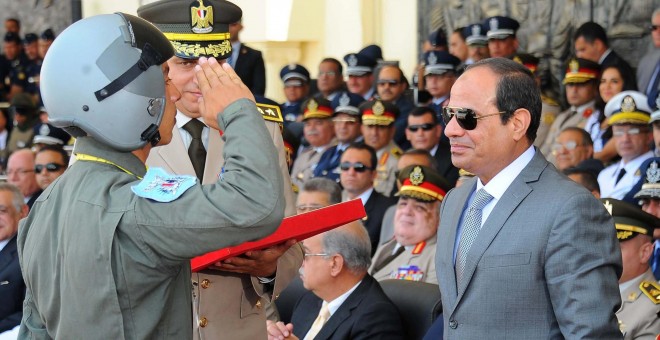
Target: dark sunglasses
<point>425,127</point>
<point>357,166</point>
<point>466,118</point>
<point>50,167</point>
<point>654,27</point>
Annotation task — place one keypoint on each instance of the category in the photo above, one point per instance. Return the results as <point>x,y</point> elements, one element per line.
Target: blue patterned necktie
<point>469,231</point>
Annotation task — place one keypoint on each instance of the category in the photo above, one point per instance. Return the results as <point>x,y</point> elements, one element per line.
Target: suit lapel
<point>8,253</point>
<point>175,155</point>
<point>513,196</point>
<point>345,310</point>
<point>214,159</point>
<point>308,319</point>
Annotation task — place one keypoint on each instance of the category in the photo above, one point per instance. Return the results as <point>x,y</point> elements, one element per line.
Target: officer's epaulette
<point>396,152</point>
<point>652,290</point>
<point>270,112</point>
<point>294,188</point>
<point>549,100</point>
<point>419,247</point>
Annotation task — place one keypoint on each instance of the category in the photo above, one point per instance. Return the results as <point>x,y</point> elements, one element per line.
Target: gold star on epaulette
<point>651,290</point>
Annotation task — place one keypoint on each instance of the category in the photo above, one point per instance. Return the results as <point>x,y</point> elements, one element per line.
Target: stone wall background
<point>547,26</point>
<point>36,15</point>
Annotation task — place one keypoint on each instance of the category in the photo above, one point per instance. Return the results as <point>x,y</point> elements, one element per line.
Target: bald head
<point>20,172</point>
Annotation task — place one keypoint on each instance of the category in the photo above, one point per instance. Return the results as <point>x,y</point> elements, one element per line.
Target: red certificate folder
<point>298,227</point>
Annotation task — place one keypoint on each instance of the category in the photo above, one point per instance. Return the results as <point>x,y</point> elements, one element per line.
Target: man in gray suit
<point>526,253</point>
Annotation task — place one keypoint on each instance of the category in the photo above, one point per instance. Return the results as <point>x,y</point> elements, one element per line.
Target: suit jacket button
<point>453,324</point>
<point>205,283</point>
<point>203,322</point>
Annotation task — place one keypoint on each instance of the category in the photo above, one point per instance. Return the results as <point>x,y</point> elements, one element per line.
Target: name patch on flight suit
<point>160,186</point>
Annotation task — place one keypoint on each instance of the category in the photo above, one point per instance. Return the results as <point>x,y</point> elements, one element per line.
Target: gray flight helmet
<point>102,78</point>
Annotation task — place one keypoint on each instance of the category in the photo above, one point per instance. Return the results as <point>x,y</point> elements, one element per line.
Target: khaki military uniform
<point>567,118</point>
<point>304,165</point>
<point>549,111</point>
<point>385,182</point>
<point>640,305</point>
<point>101,262</point>
<point>421,255</point>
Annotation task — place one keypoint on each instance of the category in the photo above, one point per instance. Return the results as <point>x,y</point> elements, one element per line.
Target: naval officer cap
<point>195,28</point>
<point>12,37</point>
<point>30,38</point>
<point>347,103</point>
<point>363,62</point>
<point>438,38</point>
<point>628,107</point>
<point>294,75</point>
<point>500,27</point>
<point>439,62</point>
<point>650,171</point>
<point>475,35</point>
<point>630,220</point>
<point>47,34</point>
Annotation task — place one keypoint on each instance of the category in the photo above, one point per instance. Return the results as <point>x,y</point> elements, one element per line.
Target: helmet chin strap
<point>149,57</point>
<point>151,135</point>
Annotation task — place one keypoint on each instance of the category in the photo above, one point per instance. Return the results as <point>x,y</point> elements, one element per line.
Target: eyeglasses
<point>50,167</point>
<point>570,145</point>
<point>318,254</point>
<point>18,172</point>
<point>425,127</point>
<point>653,27</point>
<point>629,132</point>
<point>466,118</point>
<point>357,166</point>
<point>391,82</point>
<point>344,120</point>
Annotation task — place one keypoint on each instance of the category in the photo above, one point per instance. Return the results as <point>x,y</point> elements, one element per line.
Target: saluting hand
<point>220,86</point>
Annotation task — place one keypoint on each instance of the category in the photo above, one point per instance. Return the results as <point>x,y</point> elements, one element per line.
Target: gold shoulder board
<point>396,152</point>
<point>549,100</point>
<point>270,112</point>
<point>651,290</point>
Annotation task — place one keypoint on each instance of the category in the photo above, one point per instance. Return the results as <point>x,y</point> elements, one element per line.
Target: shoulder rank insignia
<point>160,186</point>
<point>549,100</point>
<point>270,112</point>
<point>651,290</point>
<point>396,152</point>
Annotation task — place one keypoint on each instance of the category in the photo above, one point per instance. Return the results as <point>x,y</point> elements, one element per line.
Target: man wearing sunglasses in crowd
<point>49,164</point>
<point>357,178</point>
<point>525,252</point>
<point>378,120</point>
<point>424,132</point>
<point>391,86</point>
<point>628,114</point>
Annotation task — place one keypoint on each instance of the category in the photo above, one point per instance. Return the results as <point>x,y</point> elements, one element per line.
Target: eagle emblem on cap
<point>432,59</point>
<point>344,100</point>
<point>352,60</point>
<point>574,66</point>
<point>608,206</point>
<point>416,176</point>
<point>653,173</point>
<point>628,104</point>
<point>378,108</point>
<point>518,60</point>
<point>476,30</point>
<point>201,18</point>
<point>312,105</point>
<point>291,66</point>
<point>494,24</point>
<point>44,130</point>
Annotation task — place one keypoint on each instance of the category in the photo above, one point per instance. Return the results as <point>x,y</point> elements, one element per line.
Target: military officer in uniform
<point>639,315</point>
<point>378,130</point>
<point>549,107</point>
<point>360,71</point>
<point>319,132</point>
<point>228,300</point>
<point>410,255</point>
<point>105,252</point>
<point>296,89</point>
<point>581,90</point>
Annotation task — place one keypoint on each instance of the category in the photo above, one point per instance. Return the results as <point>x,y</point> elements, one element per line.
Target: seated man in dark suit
<point>12,287</point>
<point>344,302</point>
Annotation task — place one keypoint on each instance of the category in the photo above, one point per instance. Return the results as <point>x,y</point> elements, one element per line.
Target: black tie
<point>622,173</point>
<point>196,150</point>
<point>389,259</point>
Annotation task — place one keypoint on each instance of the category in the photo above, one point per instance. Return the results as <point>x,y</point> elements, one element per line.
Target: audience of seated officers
<point>640,292</point>
<point>344,301</point>
<point>358,174</point>
<point>410,255</point>
<point>347,125</point>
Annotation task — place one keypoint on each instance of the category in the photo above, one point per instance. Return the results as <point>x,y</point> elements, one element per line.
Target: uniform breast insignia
<point>651,290</point>
<point>160,186</point>
<point>410,273</point>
